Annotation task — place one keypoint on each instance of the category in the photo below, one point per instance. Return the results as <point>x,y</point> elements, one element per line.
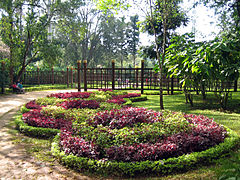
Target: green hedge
<point>34,131</point>
<point>146,168</point>
<point>140,98</point>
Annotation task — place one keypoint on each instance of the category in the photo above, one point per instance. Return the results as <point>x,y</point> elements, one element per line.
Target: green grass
<point>29,88</point>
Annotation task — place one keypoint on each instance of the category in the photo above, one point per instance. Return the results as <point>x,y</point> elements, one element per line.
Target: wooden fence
<point>114,78</point>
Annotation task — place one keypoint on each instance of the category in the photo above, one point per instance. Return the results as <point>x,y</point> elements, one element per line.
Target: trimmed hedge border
<point>162,167</point>
<point>140,98</point>
<point>34,131</point>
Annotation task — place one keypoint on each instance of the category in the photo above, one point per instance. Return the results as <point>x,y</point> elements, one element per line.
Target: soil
<point>15,162</point>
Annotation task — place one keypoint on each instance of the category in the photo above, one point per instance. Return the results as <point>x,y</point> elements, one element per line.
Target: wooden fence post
<point>85,74</point>
<point>172,81</point>
<point>67,77</point>
<point>79,75</point>
<point>52,76</point>
<point>137,77</point>
<point>235,85</point>
<point>71,74</point>
<point>38,78</point>
<point>167,82</point>
<point>113,74</point>
<point>3,69</point>
<point>142,76</point>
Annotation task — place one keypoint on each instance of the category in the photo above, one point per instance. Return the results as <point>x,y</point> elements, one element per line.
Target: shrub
<point>49,101</point>
<point>36,119</point>
<point>77,146</point>
<point>32,105</point>
<point>165,166</point>
<point>125,117</point>
<point>34,131</point>
<point>109,106</point>
<point>116,101</point>
<point>104,90</point>
<point>129,95</point>
<point>79,104</point>
<point>71,95</point>
<point>24,109</point>
<point>54,111</point>
<point>138,98</point>
<point>142,152</point>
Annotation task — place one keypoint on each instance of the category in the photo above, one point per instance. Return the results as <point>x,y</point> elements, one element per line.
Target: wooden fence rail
<point>114,78</point>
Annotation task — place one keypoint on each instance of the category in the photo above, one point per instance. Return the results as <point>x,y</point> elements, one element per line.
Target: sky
<point>201,17</point>
<point>204,19</point>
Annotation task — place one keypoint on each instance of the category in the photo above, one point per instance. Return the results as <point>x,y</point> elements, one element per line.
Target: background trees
<point>24,30</point>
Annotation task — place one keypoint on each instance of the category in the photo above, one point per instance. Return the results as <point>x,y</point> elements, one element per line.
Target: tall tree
<point>114,38</point>
<point>161,17</point>
<point>24,29</point>
<point>133,37</point>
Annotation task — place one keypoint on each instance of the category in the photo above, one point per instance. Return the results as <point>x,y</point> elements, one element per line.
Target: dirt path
<point>14,161</point>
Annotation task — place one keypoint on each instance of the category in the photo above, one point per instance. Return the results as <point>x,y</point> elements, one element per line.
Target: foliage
<point>71,95</point>
<point>198,64</point>
<point>124,117</point>
<point>32,105</point>
<point>36,119</point>
<point>77,146</point>
<point>24,31</point>
<point>24,109</point>
<point>55,112</point>
<point>4,78</point>
<point>34,131</point>
<point>117,101</point>
<point>80,104</point>
<point>49,101</point>
<point>165,166</point>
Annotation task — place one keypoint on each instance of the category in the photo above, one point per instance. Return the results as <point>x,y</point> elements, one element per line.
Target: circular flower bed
<point>102,137</point>
<point>136,134</point>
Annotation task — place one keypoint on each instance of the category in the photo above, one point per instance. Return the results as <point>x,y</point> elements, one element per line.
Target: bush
<point>67,95</point>
<point>165,166</point>
<point>125,117</point>
<point>24,109</point>
<point>49,101</point>
<point>36,119</point>
<point>116,101</point>
<point>80,104</point>
<point>139,98</point>
<point>137,134</point>
<point>32,105</point>
<point>54,111</point>
<point>34,131</point>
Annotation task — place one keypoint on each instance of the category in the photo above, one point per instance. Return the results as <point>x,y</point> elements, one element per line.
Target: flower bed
<point>145,168</point>
<point>36,119</point>
<point>32,105</point>
<point>80,104</point>
<point>137,134</point>
<point>102,137</point>
<point>71,95</point>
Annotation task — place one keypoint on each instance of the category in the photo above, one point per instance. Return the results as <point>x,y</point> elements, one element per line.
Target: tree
<point>205,63</point>
<point>161,16</point>
<point>229,11</point>
<point>133,37</point>
<point>114,38</point>
<point>25,31</point>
